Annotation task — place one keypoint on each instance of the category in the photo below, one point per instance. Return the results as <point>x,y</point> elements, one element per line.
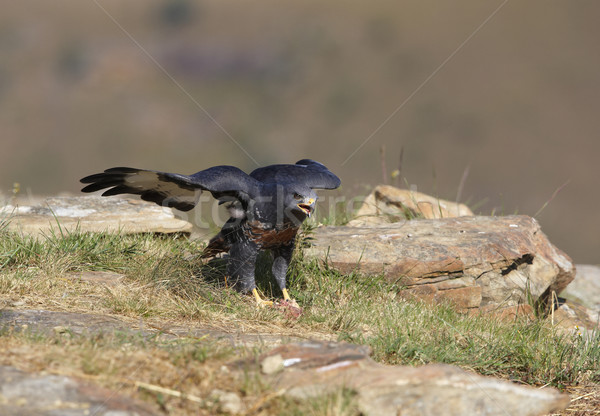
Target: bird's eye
<point>298,197</point>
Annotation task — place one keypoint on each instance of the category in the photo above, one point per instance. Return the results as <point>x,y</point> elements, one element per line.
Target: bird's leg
<point>283,256</point>
<point>259,301</point>
<point>241,267</point>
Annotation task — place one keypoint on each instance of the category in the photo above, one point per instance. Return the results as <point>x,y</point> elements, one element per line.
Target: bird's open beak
<point>308,206</point>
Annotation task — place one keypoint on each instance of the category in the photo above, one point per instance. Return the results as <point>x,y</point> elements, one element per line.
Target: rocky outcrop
<point>312,369</point>
<point>388,204</point>
<point>492,262</point>
<point>92,213</point>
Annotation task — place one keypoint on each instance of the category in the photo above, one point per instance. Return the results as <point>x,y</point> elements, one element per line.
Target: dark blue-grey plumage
<point>267,207</point>
<point>172,189</point>
<point>309,172</point>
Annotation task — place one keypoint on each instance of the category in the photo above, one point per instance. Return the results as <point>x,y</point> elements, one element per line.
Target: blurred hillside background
<point>507,92</point>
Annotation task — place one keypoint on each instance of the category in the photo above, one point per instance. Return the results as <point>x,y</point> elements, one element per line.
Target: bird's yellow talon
<point>265,303</point>
<point>286,295</point>
<point>259,301</point>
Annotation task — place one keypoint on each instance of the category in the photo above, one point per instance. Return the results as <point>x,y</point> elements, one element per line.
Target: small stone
<point>227,402</point>
<point>18,303</point>
<point>575,318</point>
<point>272,364</point>
<point>59,329</point>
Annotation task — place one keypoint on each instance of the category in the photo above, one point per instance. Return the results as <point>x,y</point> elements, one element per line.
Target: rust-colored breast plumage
<point>270,237</point>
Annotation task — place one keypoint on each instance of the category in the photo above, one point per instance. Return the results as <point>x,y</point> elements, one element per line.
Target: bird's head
<point>301,201</point>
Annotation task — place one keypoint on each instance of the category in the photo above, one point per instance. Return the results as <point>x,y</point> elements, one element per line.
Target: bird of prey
<point>266,208</point>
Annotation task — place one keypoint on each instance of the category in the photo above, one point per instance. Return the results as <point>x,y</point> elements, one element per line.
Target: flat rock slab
<point>25,394</point>
<point>312,369</point>
<point>93,213</point>
<point>52,322</point>
<point>49,322</point>
<point>471,261</point>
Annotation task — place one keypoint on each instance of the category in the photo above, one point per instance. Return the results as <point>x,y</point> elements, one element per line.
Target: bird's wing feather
<point>309,172</point>
<point>172,189</point>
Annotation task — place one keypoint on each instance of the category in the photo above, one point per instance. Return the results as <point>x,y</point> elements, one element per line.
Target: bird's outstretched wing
<point>309,172</point>
<point>172,189</point>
